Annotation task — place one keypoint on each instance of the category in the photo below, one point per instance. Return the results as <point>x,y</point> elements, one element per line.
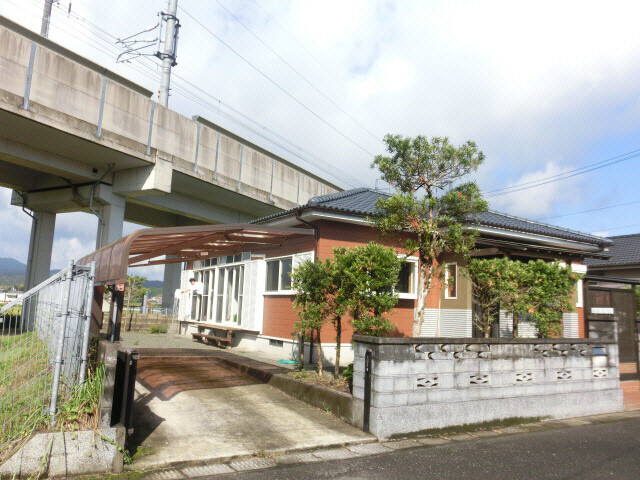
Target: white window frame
<point>411,295</point>
<point>279,291</point>
<point>214,271</point>
<point>446,281</point>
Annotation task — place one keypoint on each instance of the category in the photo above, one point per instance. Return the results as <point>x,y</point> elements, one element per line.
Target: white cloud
<point>537,201</point>
<point>539,86</point>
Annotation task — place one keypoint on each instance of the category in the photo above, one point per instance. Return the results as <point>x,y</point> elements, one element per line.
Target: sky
<point>543,88</point>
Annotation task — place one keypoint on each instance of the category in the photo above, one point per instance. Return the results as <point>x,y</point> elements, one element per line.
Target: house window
<point>407,279</point>
<point>279,274</point>
<point>451,281</point>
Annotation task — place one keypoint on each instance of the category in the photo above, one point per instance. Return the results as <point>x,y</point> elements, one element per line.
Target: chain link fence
<point>43,350</point>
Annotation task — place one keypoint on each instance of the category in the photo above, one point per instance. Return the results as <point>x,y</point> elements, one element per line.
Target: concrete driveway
<point>192,407</point>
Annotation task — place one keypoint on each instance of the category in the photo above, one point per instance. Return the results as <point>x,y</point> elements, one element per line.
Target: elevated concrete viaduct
<point>75,136</point>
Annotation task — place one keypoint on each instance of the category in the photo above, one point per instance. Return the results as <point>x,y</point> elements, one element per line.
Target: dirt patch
<point>341,385</point>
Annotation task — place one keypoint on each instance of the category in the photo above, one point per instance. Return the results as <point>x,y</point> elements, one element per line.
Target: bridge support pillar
<point>170,284</point>
<point>112,221</point>
<point>40,246</point>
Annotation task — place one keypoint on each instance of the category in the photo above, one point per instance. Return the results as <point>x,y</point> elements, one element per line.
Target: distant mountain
<point>12,272</point>
<point>11,266</point>
<point>153,284</point>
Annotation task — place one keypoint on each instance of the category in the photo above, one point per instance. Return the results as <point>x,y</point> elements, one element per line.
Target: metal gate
<point>610,312</point>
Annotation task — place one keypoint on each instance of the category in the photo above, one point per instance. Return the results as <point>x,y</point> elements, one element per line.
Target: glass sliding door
<point>220,294</point>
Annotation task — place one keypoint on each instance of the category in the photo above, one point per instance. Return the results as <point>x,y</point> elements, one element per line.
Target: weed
<point>158,329</point>
<point>80,410</point>
<point>25,388</point>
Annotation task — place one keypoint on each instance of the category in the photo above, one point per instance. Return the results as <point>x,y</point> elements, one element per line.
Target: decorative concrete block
<point>453,347</point>
<point>440,355</point>
<point>429,347</point>
<point>477,347</point>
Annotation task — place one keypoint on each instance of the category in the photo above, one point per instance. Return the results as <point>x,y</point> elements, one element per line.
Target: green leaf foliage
<point>367,278</point>
<point>135,290</point>
<point>431,205</point>
<point>536,290</point>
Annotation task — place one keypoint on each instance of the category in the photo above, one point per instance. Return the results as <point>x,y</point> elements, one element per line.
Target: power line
<point>617,228</point>
<point>297,72</point>
<point>328,168</point>
<point>308,52</point>
<point>277,85</point>
<point>554,178</point>
<point>591,210</point>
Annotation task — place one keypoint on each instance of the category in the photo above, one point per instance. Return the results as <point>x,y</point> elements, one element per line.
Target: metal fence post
<point>60,347</point>
<point>367,390</point>
<point>87,322</point>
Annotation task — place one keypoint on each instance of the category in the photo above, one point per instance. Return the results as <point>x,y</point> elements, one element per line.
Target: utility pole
<point>46,18</point>
<point>135,47</point>
<point>169,55</point>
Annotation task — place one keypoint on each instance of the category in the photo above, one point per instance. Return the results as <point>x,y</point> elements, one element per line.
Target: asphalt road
<point>609,450</point>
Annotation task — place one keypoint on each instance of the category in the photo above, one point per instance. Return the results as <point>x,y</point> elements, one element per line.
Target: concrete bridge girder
<point>65,121</point>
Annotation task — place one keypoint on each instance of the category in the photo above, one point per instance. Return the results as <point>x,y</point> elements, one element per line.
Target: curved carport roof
<point>184,244</point>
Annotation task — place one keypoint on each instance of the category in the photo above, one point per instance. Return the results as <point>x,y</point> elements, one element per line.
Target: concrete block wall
<point>419,384</point>
<point>142,322</point>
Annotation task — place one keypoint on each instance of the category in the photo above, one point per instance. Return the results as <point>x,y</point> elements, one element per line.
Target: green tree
<point>135,289</point>
<point>367,276</point>
<point>432,203</point>
<point>313,282</point>
<point>548,288</point>
<point>491,281</point>
<point>135,292</point>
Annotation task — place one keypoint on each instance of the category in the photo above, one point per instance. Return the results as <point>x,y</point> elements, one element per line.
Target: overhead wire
<point>615,228</point>
<point>185,92</point>
<point>313,57</point>
<point>568,174</point>
<point>293,69</point>
<point>590,210</point>
<point>277,85</point>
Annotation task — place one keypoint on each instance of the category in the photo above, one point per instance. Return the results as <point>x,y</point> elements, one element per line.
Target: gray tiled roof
<point>362,202</point>
<point>625,250</point>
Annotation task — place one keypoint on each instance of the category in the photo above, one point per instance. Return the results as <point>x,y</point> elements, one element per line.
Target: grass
<point>342,384</point>
<point>25,384</point>
<point>157,329</point>
<point>25,391</point>
<point>79,411</point>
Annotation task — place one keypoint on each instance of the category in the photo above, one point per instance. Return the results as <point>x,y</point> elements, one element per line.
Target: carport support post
<point>115,313</point>
<point>97,315</point>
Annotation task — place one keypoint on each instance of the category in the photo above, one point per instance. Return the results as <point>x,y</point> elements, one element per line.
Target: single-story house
<point>250,292</point>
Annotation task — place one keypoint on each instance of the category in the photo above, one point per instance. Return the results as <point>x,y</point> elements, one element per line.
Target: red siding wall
<point>279,314</point>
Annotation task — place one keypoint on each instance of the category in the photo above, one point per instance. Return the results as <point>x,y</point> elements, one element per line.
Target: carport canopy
<point>184,244</point>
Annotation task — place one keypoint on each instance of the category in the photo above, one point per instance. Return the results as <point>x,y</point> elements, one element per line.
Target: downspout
<point>91,195</point>
<point>296,212</point>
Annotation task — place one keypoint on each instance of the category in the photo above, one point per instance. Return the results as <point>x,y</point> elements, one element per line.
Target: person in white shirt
<point>196,289</point>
